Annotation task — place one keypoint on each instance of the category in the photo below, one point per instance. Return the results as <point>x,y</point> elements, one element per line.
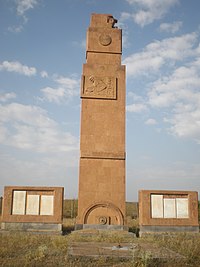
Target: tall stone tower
<point>101,200</point>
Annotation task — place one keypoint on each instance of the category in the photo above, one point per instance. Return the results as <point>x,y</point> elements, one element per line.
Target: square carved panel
<point>99,87</point>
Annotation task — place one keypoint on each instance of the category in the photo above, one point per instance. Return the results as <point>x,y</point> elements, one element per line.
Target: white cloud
<point>182,85</point>
<point>7,96</point>
<point>124,16</point>
<point>30,128</point>
<point>15,66</point>
<point>136,108</point>
<point>15,29</point>
<point>150,10</point>
<point>53,95</point>
<point>186,121</point>
<point>179,94</point>
<point>67,82</point>
<point>124,27</point>
<point>81,44</point>
<point>44,74</point>
<point>24,5</point>
<point>159,53</point>
<point>138,105</point>
<point>172,67</point>
<point>151,122</point>
<point>65,89</point>
<point>134,97</point>
<point>170,27</point>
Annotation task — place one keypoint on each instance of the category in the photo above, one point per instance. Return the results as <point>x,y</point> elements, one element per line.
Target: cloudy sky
<point>42,49</point>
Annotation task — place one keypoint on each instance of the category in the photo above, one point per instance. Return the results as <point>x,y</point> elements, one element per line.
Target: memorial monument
<point>101,199</point>
<point>168,211</point>
<point>32,209</point>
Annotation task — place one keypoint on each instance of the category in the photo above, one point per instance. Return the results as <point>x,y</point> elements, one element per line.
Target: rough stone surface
<point>102,139</point>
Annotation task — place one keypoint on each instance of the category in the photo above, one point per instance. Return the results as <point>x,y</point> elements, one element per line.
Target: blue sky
<point>42,49</point>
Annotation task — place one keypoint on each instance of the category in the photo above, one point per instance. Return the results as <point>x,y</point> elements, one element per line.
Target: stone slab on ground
<point>125,250</point>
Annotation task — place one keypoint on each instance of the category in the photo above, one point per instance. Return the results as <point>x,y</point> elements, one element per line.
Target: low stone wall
<point>168,211</point>
<point>32,208</point>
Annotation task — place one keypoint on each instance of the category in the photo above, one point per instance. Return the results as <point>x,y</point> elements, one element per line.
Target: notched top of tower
<point>103,20</point>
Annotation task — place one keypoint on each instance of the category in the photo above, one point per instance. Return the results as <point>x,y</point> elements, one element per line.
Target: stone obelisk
<point>101,200</point>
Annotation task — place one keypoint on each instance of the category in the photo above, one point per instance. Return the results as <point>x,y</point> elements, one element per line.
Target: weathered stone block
<point>163,211</point>
<point>36,208</point>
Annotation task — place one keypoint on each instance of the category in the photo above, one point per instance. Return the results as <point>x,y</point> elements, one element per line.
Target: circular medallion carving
<point>103,213</point>
<point>103,220</point>
<point>105,39</point>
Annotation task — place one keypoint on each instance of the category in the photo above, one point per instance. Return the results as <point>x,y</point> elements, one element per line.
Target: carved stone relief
<point>99,87</point>
<point>111,21</point>
<point>103,213</point>
<point>105,39</point>
<point>103,220</point>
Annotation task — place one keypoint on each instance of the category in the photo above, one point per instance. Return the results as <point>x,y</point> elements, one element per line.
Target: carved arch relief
<point>103,213</point>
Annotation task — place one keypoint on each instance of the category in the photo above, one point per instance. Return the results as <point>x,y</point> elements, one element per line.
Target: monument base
<point>101,227</point>
<point>46,228</point>
<point>155,229</point>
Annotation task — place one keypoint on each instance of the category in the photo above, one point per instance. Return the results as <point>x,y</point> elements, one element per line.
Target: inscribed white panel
<point>47,203</point>
<point>169,208</point>
<point>19,200</point>
<point>157,206</point>
<point>182,208</point>
<point>33,202</point>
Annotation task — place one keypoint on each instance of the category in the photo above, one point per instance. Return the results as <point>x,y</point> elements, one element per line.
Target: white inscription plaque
<point>157,206</point>
<point>182,208</point>
<point>19,200</point>
<point>169,208</point>
<point>47,203</point>
<point>33,203</point>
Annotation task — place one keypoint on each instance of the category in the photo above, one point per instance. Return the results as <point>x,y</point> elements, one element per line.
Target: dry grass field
<point>23,249</point>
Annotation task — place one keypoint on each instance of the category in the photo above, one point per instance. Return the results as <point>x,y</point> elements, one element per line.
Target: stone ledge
<point>155,229</point>
<point>32,227</point>
<point>101,227</point>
